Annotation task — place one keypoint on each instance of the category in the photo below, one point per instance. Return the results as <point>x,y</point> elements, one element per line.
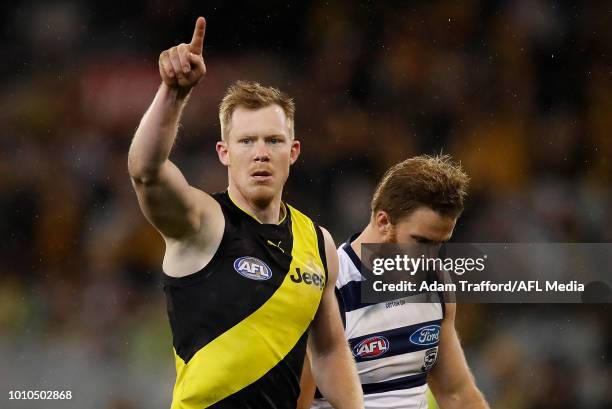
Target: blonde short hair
<point>253,95</point>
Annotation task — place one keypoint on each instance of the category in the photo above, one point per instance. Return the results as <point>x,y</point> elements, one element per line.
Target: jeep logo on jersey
<point>371,347</point>
<point>428,335</point>
<point>253,268</point>
<point>308,278</point>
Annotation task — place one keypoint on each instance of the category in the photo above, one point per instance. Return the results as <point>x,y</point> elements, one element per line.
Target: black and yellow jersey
<point>240,324</point>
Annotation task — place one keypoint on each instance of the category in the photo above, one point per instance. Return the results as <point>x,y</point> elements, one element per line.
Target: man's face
<point>258,151</point>
<point>424,226</point>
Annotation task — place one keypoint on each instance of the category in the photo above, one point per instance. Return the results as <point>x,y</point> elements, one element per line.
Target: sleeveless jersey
<point>240,324</point>
<point>394,343</point>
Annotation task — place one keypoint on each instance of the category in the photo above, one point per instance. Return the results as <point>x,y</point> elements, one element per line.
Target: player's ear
<point>382,222</point>
<point>222,152</point>
<point>295,151</point>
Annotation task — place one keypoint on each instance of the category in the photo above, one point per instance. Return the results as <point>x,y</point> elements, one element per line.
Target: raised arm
<point>166,199</point>
<point>333,365</point>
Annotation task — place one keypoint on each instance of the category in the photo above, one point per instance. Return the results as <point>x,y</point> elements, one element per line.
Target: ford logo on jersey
<point>253,268</point>
<point>371,347</point>
<point>428,335</point>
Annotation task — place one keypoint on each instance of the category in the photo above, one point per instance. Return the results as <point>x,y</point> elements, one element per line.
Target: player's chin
<point>262,193</point>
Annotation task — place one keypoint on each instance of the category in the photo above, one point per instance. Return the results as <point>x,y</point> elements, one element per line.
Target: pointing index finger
<point>197,41</point>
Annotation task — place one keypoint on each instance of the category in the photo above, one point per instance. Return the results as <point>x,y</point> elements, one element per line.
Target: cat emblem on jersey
<point>430,359</point>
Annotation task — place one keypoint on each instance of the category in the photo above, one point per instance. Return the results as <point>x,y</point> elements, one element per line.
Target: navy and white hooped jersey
<point>394,343</point>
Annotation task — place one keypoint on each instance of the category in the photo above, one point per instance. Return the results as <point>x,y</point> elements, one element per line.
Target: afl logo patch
<point>253,268</point>
<point>428,335</point>
<point>371,347</point>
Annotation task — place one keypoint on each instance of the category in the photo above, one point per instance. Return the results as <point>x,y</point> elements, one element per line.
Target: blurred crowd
<point>519,91</point>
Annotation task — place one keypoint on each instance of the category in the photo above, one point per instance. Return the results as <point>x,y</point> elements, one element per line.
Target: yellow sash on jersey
<point>247,351</point>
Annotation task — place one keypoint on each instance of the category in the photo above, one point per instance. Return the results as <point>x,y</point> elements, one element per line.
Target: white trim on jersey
<point>395,378</point>
<point>359,322</point>
<point>348,271</point>
<point>386,369</point>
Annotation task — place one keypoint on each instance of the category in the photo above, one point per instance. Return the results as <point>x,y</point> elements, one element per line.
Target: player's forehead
<point>426,223</point>
<point>269,120</point>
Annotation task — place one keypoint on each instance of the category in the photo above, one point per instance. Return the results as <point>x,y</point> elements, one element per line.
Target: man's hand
<point>182,66</point>
<point>179,211</point>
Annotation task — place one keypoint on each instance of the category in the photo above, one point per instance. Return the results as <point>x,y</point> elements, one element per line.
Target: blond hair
<point>431,181</point>
<point>253,95</point>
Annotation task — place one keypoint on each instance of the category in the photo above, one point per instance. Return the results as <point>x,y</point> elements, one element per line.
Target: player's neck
<point>273,213</point>
<point>368,235</point>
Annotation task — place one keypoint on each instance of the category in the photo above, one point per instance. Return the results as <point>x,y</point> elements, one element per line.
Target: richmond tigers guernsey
<point>240,324</point>
<point>395,343</point>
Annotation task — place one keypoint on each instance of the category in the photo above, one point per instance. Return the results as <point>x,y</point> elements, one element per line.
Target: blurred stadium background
<point>519,91</point>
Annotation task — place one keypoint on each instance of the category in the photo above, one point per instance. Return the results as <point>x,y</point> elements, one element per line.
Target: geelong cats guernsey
<point>240,324</point>
<point>394,343</point>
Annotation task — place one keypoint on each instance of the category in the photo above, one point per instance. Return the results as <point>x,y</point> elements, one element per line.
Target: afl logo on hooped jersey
<point>253,268</point>
<point>371,347</point>
<point>428,335</point>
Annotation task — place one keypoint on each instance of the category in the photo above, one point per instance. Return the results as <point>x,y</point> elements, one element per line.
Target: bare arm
<point>307,386</point>
<point>333,365</point>
<point>450,379</point>
<point>166,199</point>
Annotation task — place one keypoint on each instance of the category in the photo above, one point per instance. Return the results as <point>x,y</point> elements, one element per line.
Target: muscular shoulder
<point>331,256</point>
<point>189,254</point>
